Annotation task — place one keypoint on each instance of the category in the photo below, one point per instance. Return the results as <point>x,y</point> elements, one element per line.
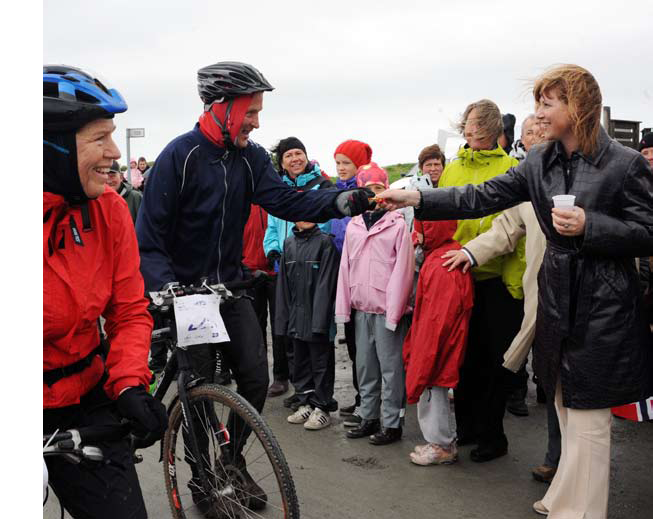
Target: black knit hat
<point>646,142</point>
<point>289,143</point>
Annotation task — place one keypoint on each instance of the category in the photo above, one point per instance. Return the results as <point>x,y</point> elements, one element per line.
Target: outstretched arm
<point>470,201</point>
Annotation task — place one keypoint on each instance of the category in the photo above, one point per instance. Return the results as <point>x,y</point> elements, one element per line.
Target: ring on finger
<point>566,226</point>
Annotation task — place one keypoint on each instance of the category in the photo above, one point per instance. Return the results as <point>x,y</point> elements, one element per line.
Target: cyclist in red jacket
<point>91,269</point>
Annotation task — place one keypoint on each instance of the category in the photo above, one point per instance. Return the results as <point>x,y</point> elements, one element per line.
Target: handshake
<point>357,201</point>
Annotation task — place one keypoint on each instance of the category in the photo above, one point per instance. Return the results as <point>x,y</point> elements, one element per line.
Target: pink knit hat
<point>371,174</point>
<point>358,152</point>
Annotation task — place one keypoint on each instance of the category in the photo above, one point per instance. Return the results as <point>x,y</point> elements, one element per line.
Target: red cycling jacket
<point>88,273</point>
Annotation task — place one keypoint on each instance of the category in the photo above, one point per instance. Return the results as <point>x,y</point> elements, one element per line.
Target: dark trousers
<point>518,384</point>
<point>350,340</point>
<point>106,490</point>
<point>264,299</point>
<point>315,371</point>
<point>246,357</point>
<point>480,398</point>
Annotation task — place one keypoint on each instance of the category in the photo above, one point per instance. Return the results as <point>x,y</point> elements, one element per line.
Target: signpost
<point>132,133</point>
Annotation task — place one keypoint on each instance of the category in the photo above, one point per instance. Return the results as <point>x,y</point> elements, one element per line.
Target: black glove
<point>354,201</point>
<point>272,257</point>
<point>147,415</point>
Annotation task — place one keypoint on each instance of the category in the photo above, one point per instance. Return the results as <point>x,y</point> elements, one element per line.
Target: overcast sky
<point>390,73</point>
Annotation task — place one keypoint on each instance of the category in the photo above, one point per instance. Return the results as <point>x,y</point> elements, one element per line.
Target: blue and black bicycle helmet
<point>228,79</point>
<point>73,98</point>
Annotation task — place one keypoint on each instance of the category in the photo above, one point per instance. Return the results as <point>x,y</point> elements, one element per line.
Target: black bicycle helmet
<point>228,79</point>
<point>73,98</point>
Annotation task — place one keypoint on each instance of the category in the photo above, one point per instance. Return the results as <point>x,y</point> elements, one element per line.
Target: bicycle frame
<point>179,364</point>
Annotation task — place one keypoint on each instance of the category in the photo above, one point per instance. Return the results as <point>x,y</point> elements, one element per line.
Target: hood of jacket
<point>387,220</point>
<point>440,233</point>
<point>306,233</point>
<point>313,171</point>
<point>478,158</point>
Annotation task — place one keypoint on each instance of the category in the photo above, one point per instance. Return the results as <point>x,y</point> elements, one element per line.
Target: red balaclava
<point>234,121</point>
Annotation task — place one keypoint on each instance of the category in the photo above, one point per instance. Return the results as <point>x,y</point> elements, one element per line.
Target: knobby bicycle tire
<point>226,474</point>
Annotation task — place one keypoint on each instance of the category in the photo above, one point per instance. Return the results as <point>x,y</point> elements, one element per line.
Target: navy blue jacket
<point>197,202</point>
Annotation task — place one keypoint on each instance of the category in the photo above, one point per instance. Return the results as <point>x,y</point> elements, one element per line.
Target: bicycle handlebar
<point>163,297</point>
<point>87,435</point>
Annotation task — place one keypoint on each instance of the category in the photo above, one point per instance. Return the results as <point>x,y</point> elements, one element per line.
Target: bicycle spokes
<point>244,473</point>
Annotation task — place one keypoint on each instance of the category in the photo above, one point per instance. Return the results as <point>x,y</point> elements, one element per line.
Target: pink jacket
<point>376,269</point>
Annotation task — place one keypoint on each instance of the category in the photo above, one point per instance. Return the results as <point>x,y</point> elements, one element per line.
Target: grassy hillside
<point>395,170</point>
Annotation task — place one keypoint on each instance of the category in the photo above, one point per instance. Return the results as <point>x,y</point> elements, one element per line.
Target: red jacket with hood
<point>95,274</point>
<point>435,345</point>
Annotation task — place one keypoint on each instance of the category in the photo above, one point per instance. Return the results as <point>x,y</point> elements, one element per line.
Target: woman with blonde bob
<point>591,348</point>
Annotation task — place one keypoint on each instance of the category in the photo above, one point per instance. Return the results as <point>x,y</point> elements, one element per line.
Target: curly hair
<point>578,89</point>
<point>430,152</point>
<point>488,119</point>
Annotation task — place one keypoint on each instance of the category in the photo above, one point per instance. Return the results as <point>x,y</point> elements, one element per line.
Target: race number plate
<point>199,320</point>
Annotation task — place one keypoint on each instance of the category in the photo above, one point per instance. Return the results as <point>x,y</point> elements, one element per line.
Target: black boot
<point>484,453</point>
<point>366,428</point>
<point>386,435</point>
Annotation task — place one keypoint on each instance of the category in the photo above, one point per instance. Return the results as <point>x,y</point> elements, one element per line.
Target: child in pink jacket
<point>375,278</point>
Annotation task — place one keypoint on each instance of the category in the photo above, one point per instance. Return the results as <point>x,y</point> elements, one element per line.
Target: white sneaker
<point>301,415</point>
<point>318,420</point>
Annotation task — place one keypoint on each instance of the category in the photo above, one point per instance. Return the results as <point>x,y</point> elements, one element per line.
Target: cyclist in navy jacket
<point>194,211</point>
<point>193,215</point>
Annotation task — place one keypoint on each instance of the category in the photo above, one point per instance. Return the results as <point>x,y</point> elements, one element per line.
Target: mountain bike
<point>220,458</point>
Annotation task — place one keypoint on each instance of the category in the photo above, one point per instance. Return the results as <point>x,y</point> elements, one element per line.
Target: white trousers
<point>580,487</point>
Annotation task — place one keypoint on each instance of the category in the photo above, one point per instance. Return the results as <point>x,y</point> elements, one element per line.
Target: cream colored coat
<point>500,239</point>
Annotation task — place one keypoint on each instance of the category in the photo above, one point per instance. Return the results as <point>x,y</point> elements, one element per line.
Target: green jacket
<point>475,167</point>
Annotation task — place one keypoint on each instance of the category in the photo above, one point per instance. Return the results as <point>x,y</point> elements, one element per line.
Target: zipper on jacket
<point>224,208</point>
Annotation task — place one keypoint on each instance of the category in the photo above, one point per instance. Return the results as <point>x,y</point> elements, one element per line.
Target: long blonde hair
<point>578,89</point>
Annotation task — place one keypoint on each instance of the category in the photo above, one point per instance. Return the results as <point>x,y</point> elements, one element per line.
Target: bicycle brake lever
<point>92,453</point>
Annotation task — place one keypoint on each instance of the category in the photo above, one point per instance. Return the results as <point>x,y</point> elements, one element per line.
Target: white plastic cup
<point>564,201</point>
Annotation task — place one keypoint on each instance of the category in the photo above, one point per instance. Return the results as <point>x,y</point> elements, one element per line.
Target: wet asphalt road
<point>340,478</point>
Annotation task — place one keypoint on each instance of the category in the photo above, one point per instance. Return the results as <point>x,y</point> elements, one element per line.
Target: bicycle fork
<point>186,381</point>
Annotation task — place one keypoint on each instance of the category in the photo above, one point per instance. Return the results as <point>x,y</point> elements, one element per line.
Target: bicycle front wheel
<point>247,473</point>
